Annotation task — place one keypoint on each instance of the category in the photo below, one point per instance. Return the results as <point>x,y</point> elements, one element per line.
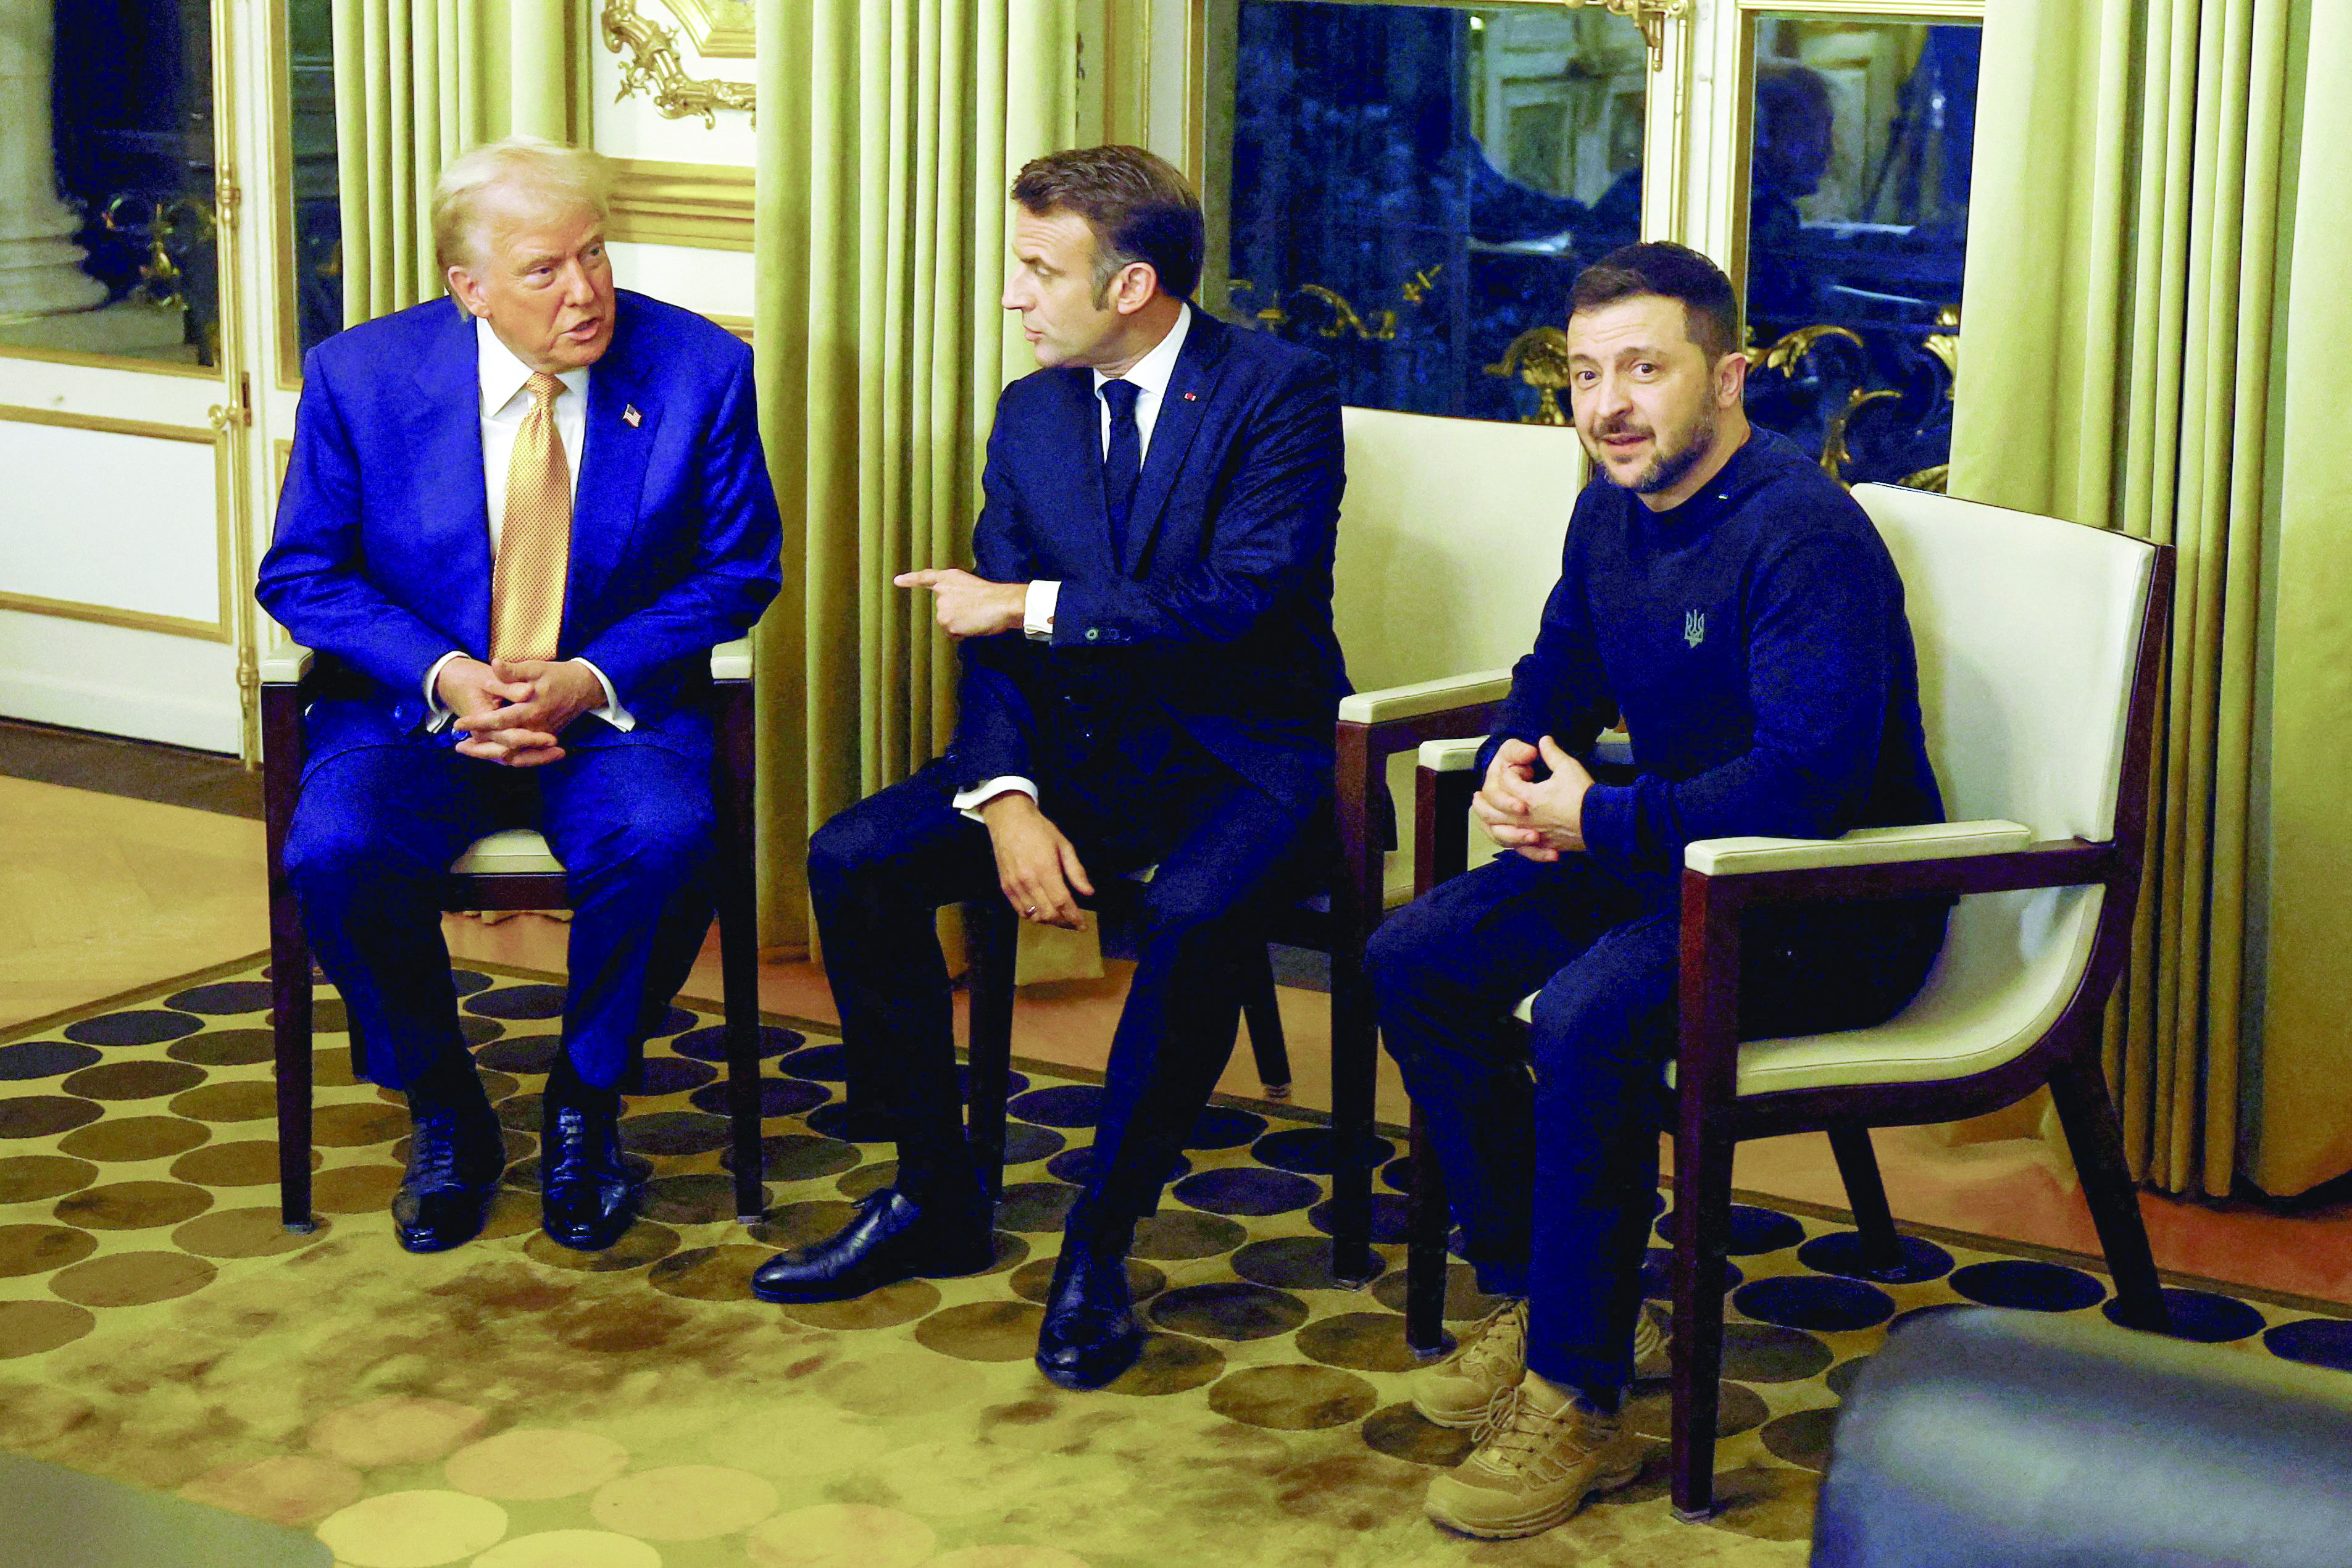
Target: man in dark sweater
<point>1737,609</point>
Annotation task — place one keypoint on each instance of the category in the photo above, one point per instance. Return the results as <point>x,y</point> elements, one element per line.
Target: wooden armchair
<point>2041,654</point>
<point>512,869</point>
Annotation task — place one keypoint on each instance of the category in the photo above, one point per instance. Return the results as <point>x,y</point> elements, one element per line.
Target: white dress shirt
<point>506,402</point>
<point>1151,376</point>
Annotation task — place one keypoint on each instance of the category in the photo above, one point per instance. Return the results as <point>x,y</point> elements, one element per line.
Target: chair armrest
<point>1423,698</point>
<point>1451,756</point>
<point>286,665</point>
<point>1863,847</point>
<point>731,660</point>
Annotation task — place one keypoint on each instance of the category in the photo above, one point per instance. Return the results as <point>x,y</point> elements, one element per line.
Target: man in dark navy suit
<point>1149,678</point>
<point>513,528</point>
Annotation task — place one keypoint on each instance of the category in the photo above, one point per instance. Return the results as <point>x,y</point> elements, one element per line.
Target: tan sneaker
<point>1654,1352</point>
<point>1540,1454</point>
<point>1490,1359</point>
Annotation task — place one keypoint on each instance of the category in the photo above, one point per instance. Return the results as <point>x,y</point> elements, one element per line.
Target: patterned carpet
<point>514,1405</point>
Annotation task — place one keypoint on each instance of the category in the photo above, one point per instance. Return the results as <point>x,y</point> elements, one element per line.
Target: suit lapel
<point>1182,408</point>
<point>612,469</point>
<point>444,431</point>
<point>1080,413</point>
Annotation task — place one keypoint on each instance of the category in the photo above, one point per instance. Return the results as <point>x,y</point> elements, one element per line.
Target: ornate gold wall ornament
<point>650,62</point>
<point>1650,16</point>
<point>1936,479</point>
<point>719,29</point>
<point>1792,347</point>
<point>1835,454</point>
<point>1539,356</point>
<point>1945,345</point>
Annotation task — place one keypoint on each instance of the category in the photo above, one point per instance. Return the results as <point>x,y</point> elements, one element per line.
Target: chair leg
<point>738,963</point>
<point>289,1023</point>
<point>1263,1016</point>
<point>1865,1194</point>
<point>1424,1266</point>
<point>989,936</point>
<point>1355,1052</point>
<point>2088,1115</point>
<point>1702,1244</point>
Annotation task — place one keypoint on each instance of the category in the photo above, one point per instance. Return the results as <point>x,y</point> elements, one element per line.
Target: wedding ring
<point>1030,910</point>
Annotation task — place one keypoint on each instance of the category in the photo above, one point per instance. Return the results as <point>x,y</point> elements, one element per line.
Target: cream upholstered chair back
<point>2028,631</point>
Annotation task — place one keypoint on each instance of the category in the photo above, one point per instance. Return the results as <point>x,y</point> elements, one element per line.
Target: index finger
<point>922,579</point>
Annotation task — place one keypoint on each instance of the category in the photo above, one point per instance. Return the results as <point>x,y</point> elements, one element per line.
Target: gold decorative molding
<point>1539,356</point>
<point>651,63</point>
<point>719,29</point>
<point>708,205</point>
<point>1650,16</point>
<point>220,630</point>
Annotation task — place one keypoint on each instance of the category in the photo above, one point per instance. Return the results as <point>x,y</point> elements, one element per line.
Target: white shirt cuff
<point>437,714</point>
<point>612,713</point>
<point>970,801</point>
<point>1037,610</point>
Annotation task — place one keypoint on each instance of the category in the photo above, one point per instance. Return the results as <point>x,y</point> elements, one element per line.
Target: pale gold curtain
<point>416,83</point>
<point>2152,178</point>
<point>888,133</point>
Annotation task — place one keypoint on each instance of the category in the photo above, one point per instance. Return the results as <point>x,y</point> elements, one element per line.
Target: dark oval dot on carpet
<point>1228,1310</point>
<point>1246,1191</point>
<point>139,1027</point>
<point>1309,1150</point>
<point>41,1115</point>
<point>134,1080</point>
<point>1025,1145</point>
<point>132,1206</point>
<point>1036,1207</point>
<point>522,1113</point>
<point>27,1250</point>
<point>2201,1317</point>
<point>131,1279</point>
<point>1658,1274</point>
<point>30,1059</point>
<point>703,1199</point>
<point>28,1178</point>
<point>1363,1341</point>
<point>479,1031</point>
<point>1403,1433</point>
<point>887,1308</point>
<point>789,1226</point>
<point>1169,1364</point>
<point>531,1056</point>
<point>518,1002</point>
<point>778,1097</point>
<point>1292,1398</point>
<point>247,1101</point>
<point>1768,1353</point>
<point>797,1157</point>
<point>1175,1235</point>
<point>1292,1263</point>
<point>828,1063</point>
<point>1839,1379</point>
<point>224,1047</point>
<point>673,1132</point>
<point>983,1330</point>
<point>643,1243</point>
<point>1062,1105</point>
<point>1397,1176</point>
<point>223,998</point>
<point>1813,1301</point>
<point>2317,1342</point>
<point>672,1021</point>
<point>676,1074</point>
<point>1034,1278</point>
<point>244,1233</point>
<point>2028,1285</point>
<point>1224,1127</point>
<point>710,1044</point>
<point>1391,1217</point>
<point>1801,1438</point>
<point>240,1162</point>
<point>1753,1230</point>
<point>839,1120</point>
<point>1464,1302</point>
<point>1015,1083</point>
<point>1076,1166</point>
<point>708,1273</point>
<point>28,1327</point>
<point>867,1179</point>
<point>1841,1253</point>
<point>1649,1410</point>
<point>126,1140</point>
<point>466,982</point>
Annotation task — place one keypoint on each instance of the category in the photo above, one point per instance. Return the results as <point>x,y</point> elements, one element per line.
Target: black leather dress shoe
<point>891,1239</point>
<point>1090,1334</point>
<point>588,1194</point>
<point>455,1161</point>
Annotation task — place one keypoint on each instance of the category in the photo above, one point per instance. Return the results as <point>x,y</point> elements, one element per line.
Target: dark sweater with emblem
<point>1754,640</point>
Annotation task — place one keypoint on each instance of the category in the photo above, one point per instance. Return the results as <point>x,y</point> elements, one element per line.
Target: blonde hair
<point>548,172</point>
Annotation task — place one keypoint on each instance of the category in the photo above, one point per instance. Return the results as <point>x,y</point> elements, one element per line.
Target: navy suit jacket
<point>381,558</point>
<point>1219,612</point>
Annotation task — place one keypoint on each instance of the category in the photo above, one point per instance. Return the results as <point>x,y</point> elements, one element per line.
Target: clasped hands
<point>510,711</point>
<point>1541,820</point>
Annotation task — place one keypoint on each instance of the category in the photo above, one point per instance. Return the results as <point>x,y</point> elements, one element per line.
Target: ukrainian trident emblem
<point>1693,628</point>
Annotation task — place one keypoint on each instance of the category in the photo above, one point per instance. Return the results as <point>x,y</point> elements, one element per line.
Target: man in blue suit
<point>514,527</point>
<point>1149,678</point>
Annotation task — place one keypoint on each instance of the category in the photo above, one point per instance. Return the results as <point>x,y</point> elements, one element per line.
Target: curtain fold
<point>2144,174</point>
<point>416,83</point>
<point>887,133</point>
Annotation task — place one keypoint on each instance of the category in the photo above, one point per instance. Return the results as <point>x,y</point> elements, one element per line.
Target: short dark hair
<point>1139,208</point>
<point>1710,305</point>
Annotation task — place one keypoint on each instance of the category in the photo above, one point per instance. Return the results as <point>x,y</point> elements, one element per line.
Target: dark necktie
<point>1122,460</point>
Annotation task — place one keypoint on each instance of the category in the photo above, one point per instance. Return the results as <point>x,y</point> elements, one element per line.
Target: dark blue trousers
<point>1548,1135</point>
<point>881,870</point>
<point>369,852</point>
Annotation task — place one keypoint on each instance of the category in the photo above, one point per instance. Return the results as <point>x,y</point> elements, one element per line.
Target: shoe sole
<point>1541,1519</point>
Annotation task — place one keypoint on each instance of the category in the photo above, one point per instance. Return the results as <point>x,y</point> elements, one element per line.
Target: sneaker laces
<point>1497,1342</point>
<point>1513,1436</point>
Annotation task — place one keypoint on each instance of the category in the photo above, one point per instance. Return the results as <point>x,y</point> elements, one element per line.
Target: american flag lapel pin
<point>633,416</point>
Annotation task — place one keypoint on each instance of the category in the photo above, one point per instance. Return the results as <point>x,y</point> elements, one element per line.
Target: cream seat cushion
<point>510,851</point>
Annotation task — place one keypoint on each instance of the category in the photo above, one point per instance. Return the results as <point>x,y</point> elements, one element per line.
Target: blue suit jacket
<point>381,558</point>
<point>1219,610</point>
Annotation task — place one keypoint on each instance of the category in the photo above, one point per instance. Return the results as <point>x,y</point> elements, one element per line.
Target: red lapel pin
<point>1192,397</point>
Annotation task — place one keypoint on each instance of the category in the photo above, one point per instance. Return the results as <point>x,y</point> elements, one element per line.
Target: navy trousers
<point>881,870</point>
<point>369,852</point>
<point>1548,1136</point>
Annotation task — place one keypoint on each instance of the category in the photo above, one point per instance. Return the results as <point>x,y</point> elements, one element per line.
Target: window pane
<point>318,281</point>
<point>1410,189</point>
<point>1857,228</point>
<point>128,262</point>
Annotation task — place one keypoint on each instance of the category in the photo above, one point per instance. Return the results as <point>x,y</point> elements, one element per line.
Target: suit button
<point>1094,634</point>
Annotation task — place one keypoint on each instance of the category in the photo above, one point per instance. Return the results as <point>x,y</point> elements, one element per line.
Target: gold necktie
<point>535,540</point>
